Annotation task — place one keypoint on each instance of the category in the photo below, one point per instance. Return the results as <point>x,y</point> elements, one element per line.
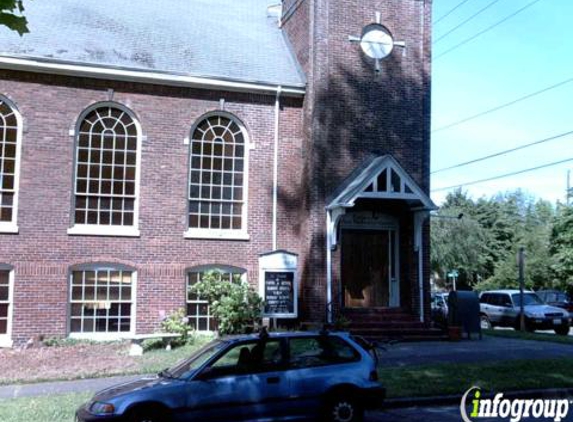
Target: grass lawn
<point>552,338</point>
<point>78,361</point>
<point>54,408</point>
<point>444,379</point>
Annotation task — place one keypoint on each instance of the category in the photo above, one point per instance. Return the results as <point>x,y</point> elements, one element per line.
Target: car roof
<point>506,291</point>
<point>285,334</point>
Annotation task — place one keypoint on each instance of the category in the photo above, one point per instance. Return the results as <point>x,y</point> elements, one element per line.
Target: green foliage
<point>235,306</point>
<point>483,245</point>
<point>11,16</point>
<point>562,249</point>
<point>68,342</point>
<point>176,323</point>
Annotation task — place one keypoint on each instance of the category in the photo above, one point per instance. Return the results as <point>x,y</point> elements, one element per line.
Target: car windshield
<point>528,299</point>
<point>196,360</point>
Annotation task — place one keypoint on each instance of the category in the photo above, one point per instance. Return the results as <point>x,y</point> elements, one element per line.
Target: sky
<point>529,52</point>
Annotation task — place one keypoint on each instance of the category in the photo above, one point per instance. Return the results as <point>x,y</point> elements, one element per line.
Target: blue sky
<point>529,52</point>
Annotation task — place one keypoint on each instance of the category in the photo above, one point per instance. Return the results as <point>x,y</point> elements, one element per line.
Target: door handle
<point>273,380</point>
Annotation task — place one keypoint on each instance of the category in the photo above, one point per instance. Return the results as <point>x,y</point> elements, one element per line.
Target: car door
<point>508,312</point>
<point>317,363</point>
<point>246,382</point>
<point>494,308</point>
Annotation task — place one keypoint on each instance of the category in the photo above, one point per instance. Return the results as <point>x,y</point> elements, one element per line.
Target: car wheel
<point>344,408</point>
<point>485,323</point>
<point>149,414</point>
<point>562,331</point>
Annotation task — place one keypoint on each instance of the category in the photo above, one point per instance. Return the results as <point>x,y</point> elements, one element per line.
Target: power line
<point>475,15</point>
<point>489,179</point>
<point>489,28</point>
<point>507,151</point>
<point>510,103</point>
<point>441,18</point>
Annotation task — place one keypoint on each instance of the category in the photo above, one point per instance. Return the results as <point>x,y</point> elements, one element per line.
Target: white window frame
<point>6,339</point>
<point>224,234</point>
<point>225,269</point>
<point>100,336</point>
<point>107,230</point>
<point>12,226</point>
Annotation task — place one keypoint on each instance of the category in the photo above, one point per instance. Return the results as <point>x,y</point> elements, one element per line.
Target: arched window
<point>102,300</point>
<point>198,313</point>
<point>10,145</point>
<point>107,173</point>
<point>218,178</point>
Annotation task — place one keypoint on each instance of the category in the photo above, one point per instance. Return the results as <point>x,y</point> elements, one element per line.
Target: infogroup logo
<point>515,410</point>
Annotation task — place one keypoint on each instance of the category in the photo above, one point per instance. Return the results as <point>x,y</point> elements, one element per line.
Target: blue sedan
<point>267,377</point>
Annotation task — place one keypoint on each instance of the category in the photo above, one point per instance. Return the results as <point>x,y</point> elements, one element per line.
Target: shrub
<point>234,304</point>
<point>177,323</point>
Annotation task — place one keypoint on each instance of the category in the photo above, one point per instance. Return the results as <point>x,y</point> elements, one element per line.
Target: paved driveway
<point>488,349</point>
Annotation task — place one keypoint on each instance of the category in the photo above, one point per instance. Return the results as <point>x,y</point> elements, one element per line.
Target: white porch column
<point>419,218</point>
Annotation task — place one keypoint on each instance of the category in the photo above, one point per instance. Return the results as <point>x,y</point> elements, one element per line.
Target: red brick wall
<point>347,114</point>
<point>351,112</point>
<point>43,251</point>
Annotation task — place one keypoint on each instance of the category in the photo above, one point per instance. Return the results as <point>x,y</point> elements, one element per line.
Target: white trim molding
<point>11,228</point>
<point>29,64</point>
<point>216,234</point>
<point>89,230</point>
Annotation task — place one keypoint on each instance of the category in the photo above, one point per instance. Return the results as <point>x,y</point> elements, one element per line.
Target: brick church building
<point>145,143</point>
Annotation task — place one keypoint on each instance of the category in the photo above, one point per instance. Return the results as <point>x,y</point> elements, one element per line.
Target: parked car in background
<point>282,376</point>
<point>502,308</point>
<point>557,298</point>
<point>439,307</point>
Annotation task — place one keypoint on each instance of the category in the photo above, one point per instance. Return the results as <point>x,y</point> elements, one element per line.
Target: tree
<point>11,16</point>
<point>457,244</point>
<point>562,249</point>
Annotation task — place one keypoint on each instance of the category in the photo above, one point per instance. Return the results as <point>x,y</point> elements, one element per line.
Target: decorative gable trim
<point>381,178</point>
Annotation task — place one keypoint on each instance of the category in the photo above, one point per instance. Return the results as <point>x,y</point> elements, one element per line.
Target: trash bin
<point>464,312</point>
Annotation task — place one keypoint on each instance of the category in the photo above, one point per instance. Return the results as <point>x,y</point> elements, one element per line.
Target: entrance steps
<point>384,324</point>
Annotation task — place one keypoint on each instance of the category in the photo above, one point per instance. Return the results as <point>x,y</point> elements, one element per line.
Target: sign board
<point>279,292</point>
<point>278,284</point>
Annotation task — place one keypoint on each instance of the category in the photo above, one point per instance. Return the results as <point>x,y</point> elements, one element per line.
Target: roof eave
<point>56,67</point>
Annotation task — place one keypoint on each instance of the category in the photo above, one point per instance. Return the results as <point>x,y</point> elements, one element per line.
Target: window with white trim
<point>102,301</point>
<point>10,145</point>
<point>218,177</point>
<point>198,311</point>
<point>106,173</point>
<point>5,302</point>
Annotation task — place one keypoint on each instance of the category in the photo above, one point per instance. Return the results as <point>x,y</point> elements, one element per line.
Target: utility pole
<point>521,265</point>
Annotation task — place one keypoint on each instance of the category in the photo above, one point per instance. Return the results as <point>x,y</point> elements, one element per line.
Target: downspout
<point>276,169</point>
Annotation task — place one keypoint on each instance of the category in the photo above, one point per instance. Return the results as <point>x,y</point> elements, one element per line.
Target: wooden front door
<point>366,268</point>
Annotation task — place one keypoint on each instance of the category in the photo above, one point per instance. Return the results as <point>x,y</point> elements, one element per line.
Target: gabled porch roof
<point>380,178</point>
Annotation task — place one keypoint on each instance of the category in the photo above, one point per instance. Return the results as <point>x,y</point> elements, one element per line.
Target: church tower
<point>367,123</point>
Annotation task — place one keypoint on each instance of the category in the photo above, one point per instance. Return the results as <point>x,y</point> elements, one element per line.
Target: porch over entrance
<point>375,242</point>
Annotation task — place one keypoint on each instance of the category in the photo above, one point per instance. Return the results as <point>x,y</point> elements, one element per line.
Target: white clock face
<point>376,42</point>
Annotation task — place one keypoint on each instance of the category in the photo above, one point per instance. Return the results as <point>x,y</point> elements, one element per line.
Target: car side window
<point>307,352</point>
<point>506,301</point>
<point>249,357</point>
<point>485,298</point>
